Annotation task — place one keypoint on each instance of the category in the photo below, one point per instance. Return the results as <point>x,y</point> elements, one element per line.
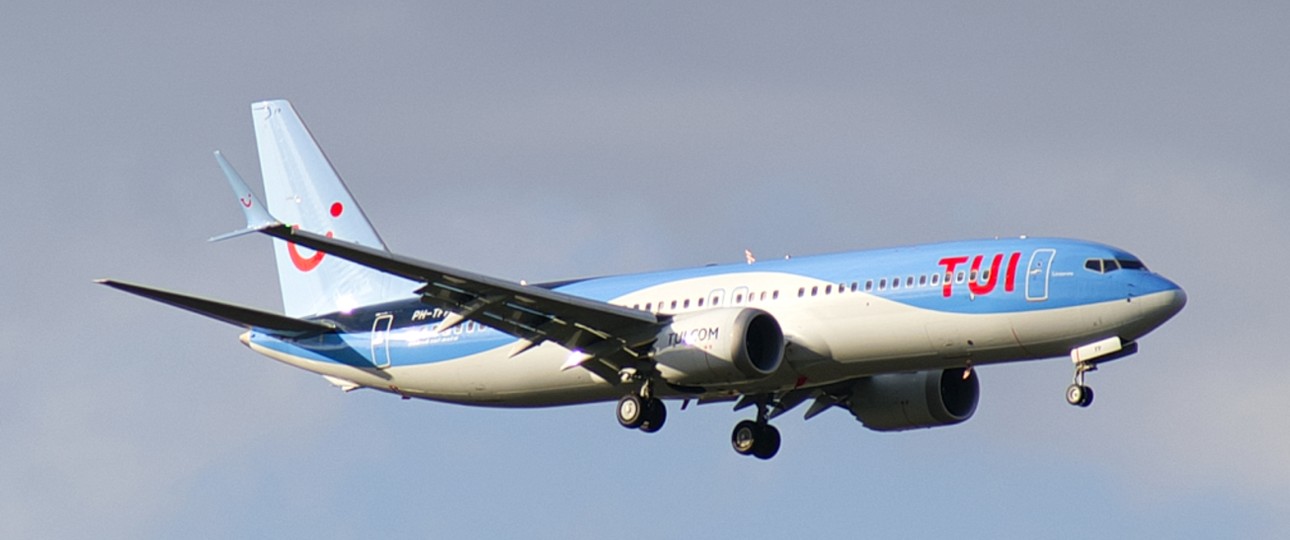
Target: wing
<point>229,313</point>
<point>616,336</point>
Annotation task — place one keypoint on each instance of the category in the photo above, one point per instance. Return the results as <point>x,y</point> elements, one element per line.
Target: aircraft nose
<point>1165,304</point>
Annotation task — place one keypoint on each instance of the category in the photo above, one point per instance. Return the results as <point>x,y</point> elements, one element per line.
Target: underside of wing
<point>229,313</point>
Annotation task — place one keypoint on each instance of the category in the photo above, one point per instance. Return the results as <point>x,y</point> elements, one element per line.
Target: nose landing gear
<point>1087,358</point>
<point>1079,394</point>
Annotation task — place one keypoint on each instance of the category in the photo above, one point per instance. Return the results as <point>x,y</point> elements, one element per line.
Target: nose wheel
<point>1079,394</point>
<point>756,437</point>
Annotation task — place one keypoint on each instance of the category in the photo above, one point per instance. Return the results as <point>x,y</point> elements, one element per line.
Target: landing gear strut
<point>756,437</point>
<point>642,411</point>
<point>1078,394</point>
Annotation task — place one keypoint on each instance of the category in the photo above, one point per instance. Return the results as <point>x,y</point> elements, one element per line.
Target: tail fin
<point>302,189</point>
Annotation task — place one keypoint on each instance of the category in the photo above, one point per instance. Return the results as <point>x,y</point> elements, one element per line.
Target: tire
<point>654,416</point>
<point>767,443</point>
<point>744,438</point>
<point>1075,395</point>
<point>631,411</point>
<point>1088,397</point>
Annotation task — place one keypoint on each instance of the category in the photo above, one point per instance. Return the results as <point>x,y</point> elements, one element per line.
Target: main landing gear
<point>644,413</point>
<point>756,437</point>
<point>1078,394</point>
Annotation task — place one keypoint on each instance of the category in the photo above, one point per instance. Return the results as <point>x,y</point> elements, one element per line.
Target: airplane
<point>892,336</point>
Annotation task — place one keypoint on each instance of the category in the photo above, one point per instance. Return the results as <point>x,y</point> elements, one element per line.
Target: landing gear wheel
<point>751,438</point>
<point>744,438</point>
<point>767,444</point>
<point>1079,395</point>
<point>654,415</point>
<point>631,411</point>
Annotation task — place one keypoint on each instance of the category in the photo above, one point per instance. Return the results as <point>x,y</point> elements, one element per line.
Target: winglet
<point>257,214</point>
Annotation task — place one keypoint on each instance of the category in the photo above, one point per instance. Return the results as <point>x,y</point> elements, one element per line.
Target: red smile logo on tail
<point>306,264</point>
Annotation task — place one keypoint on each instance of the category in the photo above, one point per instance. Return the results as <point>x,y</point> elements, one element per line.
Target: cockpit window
<point>1132,264</point>
<point>1104,266</point>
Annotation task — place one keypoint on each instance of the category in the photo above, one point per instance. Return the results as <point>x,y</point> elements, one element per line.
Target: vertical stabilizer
<point>301,188</point>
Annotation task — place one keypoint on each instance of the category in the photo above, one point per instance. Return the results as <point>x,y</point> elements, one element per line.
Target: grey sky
<point>556,140</point>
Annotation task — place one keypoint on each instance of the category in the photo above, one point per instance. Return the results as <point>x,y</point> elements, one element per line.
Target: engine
<point>902,401</point>
<point>719,346</point>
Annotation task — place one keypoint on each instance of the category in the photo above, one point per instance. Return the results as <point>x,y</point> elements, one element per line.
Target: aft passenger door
<point>381,340</point>
<point>1037,273</point>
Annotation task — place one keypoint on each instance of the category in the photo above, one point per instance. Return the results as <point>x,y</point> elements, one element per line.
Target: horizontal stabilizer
<point>229,313</point>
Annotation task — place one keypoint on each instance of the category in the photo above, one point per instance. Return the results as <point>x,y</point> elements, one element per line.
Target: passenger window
<point>855,286</point>
<point>774,295</point>
<point>936,278</point>
<point>700,302</point>
<point>909,281</point>
<point>739,298</point>
<point>882,284</point>
<point>801,291</point>
<point>868,285</point>
<point>716,300</point>
<point>828,289</point>
<point>922,280</point>
<point>895,283</point>
<point>649,306</point>
<point>686,305</point>
<point>972,277</point>
<point>674,304</point>
<point>959,278</point>
<point>815,290</point>
<point>763,296</point>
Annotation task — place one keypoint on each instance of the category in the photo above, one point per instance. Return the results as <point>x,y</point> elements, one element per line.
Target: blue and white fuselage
<point>845,316</point>
<point>890,335</point>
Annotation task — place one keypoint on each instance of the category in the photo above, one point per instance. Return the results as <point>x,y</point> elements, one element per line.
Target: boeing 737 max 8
<point>890,335</point>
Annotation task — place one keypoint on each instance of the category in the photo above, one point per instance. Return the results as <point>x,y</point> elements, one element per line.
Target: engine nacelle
<point>901,401</point>
<point>719,346</point>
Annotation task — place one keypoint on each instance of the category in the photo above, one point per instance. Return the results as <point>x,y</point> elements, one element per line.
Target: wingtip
<point>256,213</point>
